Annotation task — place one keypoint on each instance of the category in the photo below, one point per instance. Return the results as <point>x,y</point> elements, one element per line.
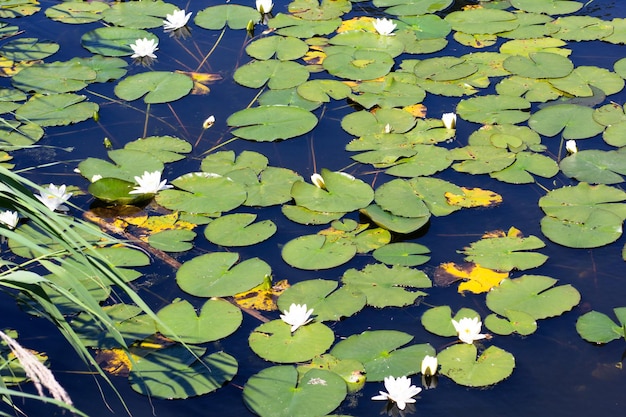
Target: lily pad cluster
<point>520,98</point>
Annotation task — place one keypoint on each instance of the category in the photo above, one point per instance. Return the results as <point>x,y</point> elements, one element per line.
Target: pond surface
<point>556,372</point>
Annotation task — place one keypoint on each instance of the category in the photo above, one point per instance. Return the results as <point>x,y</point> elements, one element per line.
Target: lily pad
<point>218,274</point>
<point>482,21</point>
<point>539,65</point>
<point>215,320</point>
<point>412,7</point>
<point>56,109</point>
<point>54,77</point>
<point>138,15</point>
<point>359,64</point>
<point>535,295</point>
<point>481,159</point>
<point>595,166</point>
<point>461,364</point>
<point>392,222</point>
<point>581,80</point>
<point>155,87</point>
<point>303,215</point>
<point>269,123</point>
<point>381,353</point>
<point>114,40</point>
<point>28,49</point>
<point>327,301</point>
<point>172,240</point>
<point>239,229</point>
<point>174,372</point>
<point>597,327</point>
<point>506,253</point>
<point>387,286</point>
<point>273,72</point>
<point>580,28</point>
<point>515,321</point>
<point>319,10</point>
<point>164,148</point>
<point>127,164</point>
<point>494,109</point>
<point>399,198</point>
<point>318,392</point>
<point>285,48</point>
<point>75,12</point>
<point>274,341</point>
<point>288,25</point>
<point>402,253</point>
<point>324,90</point>
<point>438,320</point>
<point>527,163</point>
<point>233,15</point>
<point>314,252</point>
<point>572,120</point>
<point>445,68</point>
<point>550,7</point>
<point>341,193</point>
<point>114,190</point>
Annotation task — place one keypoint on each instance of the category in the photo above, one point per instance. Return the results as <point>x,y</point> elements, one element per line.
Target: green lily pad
<point>216,275</point>
<point>342,193</point>
<point>369,41</point>
<point>272,186</point>
<point>10,99</point>
<point>394,90</point>
<point>506,253</point>
<point>274,341</point>
<point>54,77</point>
<point>515,321</point>
<point>324,90</point>
<point>482,21</point>
<point>269,123</point>
<point>576,203</point>
<point>398,197</point>
<point>550,7</point>
<point>239,230</point>
<point>494,109</point>
<point>432,191</point>
<point>113,40</point>
<point>316,394</point>
<point>215,320</point>
<point>531,26</point>
<point>287,97</point>
<point>233,15</point>
<point>412,7</point>
<point>527,163</point>
<point>612,116</point>
<point>364,123</point>
<point>580,28</point>
<point>535,90</point>
<point>481,159</point>
<point>581,80</point>
<point>76,12</point>
<point>597,327</point>
<point>381,353</point>
<point>106,68</point>
<point>539,65</point>
<point>445,68</point>
<point>164,148</point>
<point>114,190</point>
<point>327,301</point>
<point>507,136</point>
<point>598,229</point>
<point>155,87</point>
<point>56,109</point>
<point>138,15</point>
<point>289,25</point>
<point>203,193</point>
<point>392,222</point>
<point>314,252</point>
<point>461,364</point>
<point>28,49</point>
<point>428,160</point>
<point>426,26</point>
<point>19,8</point>
<point>273,72</point>
<point>174,373</point>
<point>303,215</point>
<point>387,286</point>
<point>352,372</point>
<point>595,166</point>
<point>438,320</point>
<point>128,164</point>
<point>225,162</point>
<point>535,295</point>
<point>179,240</point>
<point>359,64</point>
<point>285,48</point>
<point>402,253</point>
<point>574,121</point>
<point>15,135</point>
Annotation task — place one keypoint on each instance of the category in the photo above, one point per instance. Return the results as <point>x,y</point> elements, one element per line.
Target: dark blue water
<point>557,373</point>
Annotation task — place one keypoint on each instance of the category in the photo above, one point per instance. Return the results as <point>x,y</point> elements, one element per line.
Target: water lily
<point>144,48</point>
<point>297,316</point>
<point>399,390</point>
<point>384,26</point>
<point>264,6</point>
<point>176,20</point>
<point>53,197</point>
<point>429,365</point>
<point>210,121</point>
<point>449,120</point>
<point>96,177</point>
<point>468,329</point>
<point>318,181</point>
<point>9,218</point>
<point>150,183</point>
<point>571,147</point>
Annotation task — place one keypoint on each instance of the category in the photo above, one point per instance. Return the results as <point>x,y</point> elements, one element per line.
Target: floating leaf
<point>138,15</point>
<point>399,198</point>
<point>579,28</point>
<point>56,109</point>
<point>316,10</point>
<point>359,64</point>
<point>303,215</point>
<point>597,327</point>
<point>477,279</point>
<point>274,341</point>
<point>288,25</point>
<point>535,295</point>
<point>381,353</point>
<point>324,90</point>
<point>269,123</point>
<point>481,159</point>
<point>506,253</point>
<point>75,12</point>
<point>28,49</point>
<point>341,194</point>
<point>327,301</point>
<point>446,68</point>
<point>595,166</point>
<point>352,371</point>
<point>385,286</point>
<point>317,393</point>
<point>314,252</point>
<point>474,197</point>
<point>216,275</point>
<point>402,253</point>
<point>459,363</point>
<point>550,7</point>
<point>539,65</point>
<point>54,77</point>
<point>438,320</point>
<point>285,48</point>
<point>515,321</point>
<point>164,148</point>
<point>155,87</point>
<point>172,240</point>
<point>527,163</point>
<point>114,40</point>
<point>175,373</point>
<point>233,15</point>
<point>239,230</point>
<point>114,190</point>
<point>276,74</point>
<point>574,121</point>
<point>481,21</point>
<point>581,80</point>
<point>16,135</point>
<point>494,109</point>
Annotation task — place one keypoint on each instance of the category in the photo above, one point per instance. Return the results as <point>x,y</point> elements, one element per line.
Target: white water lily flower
<point>210,121</point>
<point>429,365</point>
<point>150,183</point>
<point>449,120</point>
<point>399,390</point>
<point>571,147</point>
<point>468,329</point>
<point>143,48</point>
<point>96,177</point>
<point>318,181</point>
<point>296,316</point>
<point>53,197</point>
<point>384,26</point>
<point>264,6</point>
<point>348,176</point>
<point>176,20</point>
<point>10,218</point>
